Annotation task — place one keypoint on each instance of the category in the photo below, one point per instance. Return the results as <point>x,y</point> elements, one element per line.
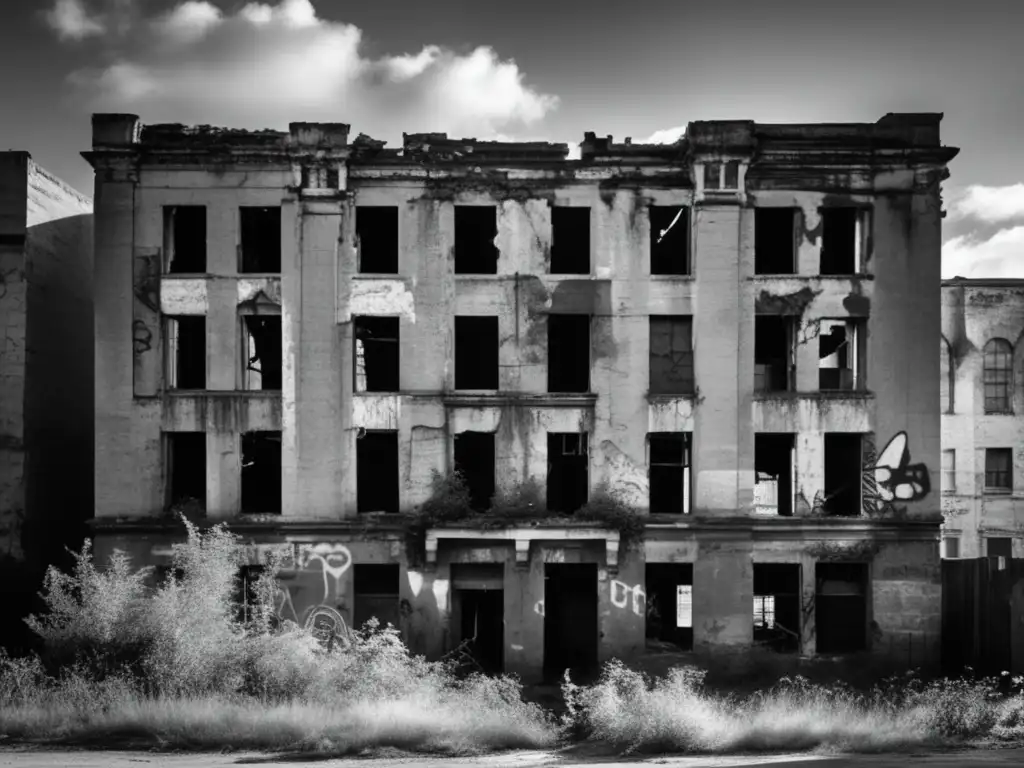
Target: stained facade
<point>731,335</point>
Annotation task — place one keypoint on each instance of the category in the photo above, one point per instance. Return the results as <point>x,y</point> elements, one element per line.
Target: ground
<point>32,758</point>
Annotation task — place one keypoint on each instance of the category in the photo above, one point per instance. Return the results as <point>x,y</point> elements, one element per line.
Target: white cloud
<point>271,63</point>
<point>1001,255</point>
<point>664,136</point>
<point>989,204</point>
<point>71,20</point>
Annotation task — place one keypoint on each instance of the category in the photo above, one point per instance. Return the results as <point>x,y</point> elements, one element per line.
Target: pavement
<point>27,757</point>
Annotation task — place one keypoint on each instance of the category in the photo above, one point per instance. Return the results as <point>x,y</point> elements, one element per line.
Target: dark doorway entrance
<point>478,612</point>
<point>570,620</point>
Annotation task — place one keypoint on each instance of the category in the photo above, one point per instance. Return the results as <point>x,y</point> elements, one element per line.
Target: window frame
<point>995,350</point>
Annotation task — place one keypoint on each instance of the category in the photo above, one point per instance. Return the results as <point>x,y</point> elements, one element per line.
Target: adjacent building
<point>982,354</point>
<point>732,335</point>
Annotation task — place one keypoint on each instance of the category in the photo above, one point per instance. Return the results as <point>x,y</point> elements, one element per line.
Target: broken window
<point>671,355</point>
<point>773,473</point>
<point>775,241</point>
<point>724,176</point>
<point>843,240</point>
<point>478,611</point>
<point>998,470</point>
<point>948,470</point>
<point>568,353</point>
<point>376,354</point>
<point>843,473</point>
<point>777,606</point>
<point>999,546</point>
<point>377,236</point>
<point>998,376</point>
<point>774,353</point>
<point>476,352</point>
<point>570,240</point>
<point>375,593</point>
<point>670,239</point>
<point>669,605</point>
<point>377,470</point>
<point>474,460</point>
<point>261,345</point>
<point>186,352</point>
<point>568,471</point>
<point>670,472</point>
<point>951,547</point>
<point>476,226</point>
<point>186,469</point>
<point>840,355</point>
<point>840,607</point>
<point>185,239</point>
<point>261,472</point>
<point>260,246</point>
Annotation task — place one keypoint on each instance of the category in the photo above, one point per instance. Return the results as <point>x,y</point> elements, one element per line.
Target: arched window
<point>946,376</point>
<point>998,376</point>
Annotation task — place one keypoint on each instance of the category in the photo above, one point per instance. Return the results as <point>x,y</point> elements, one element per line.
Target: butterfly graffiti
<point>895,478</point>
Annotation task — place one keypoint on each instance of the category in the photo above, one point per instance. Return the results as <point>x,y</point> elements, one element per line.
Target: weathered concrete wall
<point>972,315</point>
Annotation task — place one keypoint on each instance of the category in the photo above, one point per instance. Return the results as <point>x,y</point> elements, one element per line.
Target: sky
<point>532,70</point>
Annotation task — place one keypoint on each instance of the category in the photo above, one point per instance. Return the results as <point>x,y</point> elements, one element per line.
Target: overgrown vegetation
<point>175,666</point>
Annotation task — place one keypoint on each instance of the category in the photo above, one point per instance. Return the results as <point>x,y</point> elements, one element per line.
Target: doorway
<point>570,620</point>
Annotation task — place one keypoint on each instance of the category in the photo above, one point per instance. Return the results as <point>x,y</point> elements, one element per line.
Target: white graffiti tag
<point>334,559</point>
<point>620,592</point>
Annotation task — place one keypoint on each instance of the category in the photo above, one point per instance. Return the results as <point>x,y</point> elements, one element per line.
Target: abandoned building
<point>982,397</point>
<point>732,335</point>
<point>46,377</point>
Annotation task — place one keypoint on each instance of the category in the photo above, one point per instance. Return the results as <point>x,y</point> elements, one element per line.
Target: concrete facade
<point>984,510</point>
<point>862,436</point>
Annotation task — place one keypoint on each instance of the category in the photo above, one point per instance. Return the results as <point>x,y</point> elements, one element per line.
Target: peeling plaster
<point>379,298</point>
<point>768,303</point>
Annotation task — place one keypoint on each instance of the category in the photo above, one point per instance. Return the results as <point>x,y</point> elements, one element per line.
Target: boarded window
<point>375,593</point>
<point>775,241</point>
<point>260,239</point>
<point>568,353</point>
<point>570,241</point>
<point>377,235</point>
<point>261,339</point>
<point>669,608</point>
<point>186,352</point>
<point>773,470</point>
<point>476,352</point>
<point>777,606</point>
<point>476,226</point>
<point>670,240</point>
<point>671,355</point>
<point>998,470</point>
<point>376,354</point>
<point>377,471</point>
<point>185,239</point>
<point>998,357</point>
<point>840,607</point>
<point>568,471</point>
<point>774,353</point>
<point>843,474</point>
<point>186,469</point>
<point>474,460</point>
<point>670,472</point>
<point>261,472</point>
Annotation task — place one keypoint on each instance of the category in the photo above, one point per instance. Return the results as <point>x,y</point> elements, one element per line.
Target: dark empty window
<point>568,472</point>
<point>570,241</point>
<point>670,472</point>
<point>840,607</point>
<point>840,241</point>
<point>260,239</point>
<point>377,233</point>
<point>670,240</point>
<point>843,473</point>
<point>671,355</point>
<point>777,606</point>
<point>775,241</point>
<point>568,353</point>
<point>186,468</point>
<point>999,546</point>
<point>951,547</point>
<point>376,354</point>
<point>773,473</point>
<point>476,226</point>
<point>376,593</point>
<point>669,610</point>
<point>185,239</point>
<point>997,372</point>
<point>474,460</point>
<point>262,351</point>
<point>261,472</point>
<point>839,354</point>
<point>999,470</point>
<point>774,353</point>
<point>946,377</point>
<point>186,352</point>
<point>476,352</point>
<point>377,471</point>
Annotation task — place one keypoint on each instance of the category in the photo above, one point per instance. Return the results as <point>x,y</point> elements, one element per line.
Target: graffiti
<point>327,626</point>
<point>334,559</point>
<point>283,605</point>
<point>837,551</point>
<point>147,281</point>
<point>891,477</point>
<point>807,610</point>
<point>951,508</point>
<point>142,337</point>
<point>620,595</point>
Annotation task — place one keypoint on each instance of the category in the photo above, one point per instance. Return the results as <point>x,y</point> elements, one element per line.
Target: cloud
<point>1001,255</point>
<point>664,136</point>
<point>267,64</point>
<point>71,20</point>
<point>989,204</point>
